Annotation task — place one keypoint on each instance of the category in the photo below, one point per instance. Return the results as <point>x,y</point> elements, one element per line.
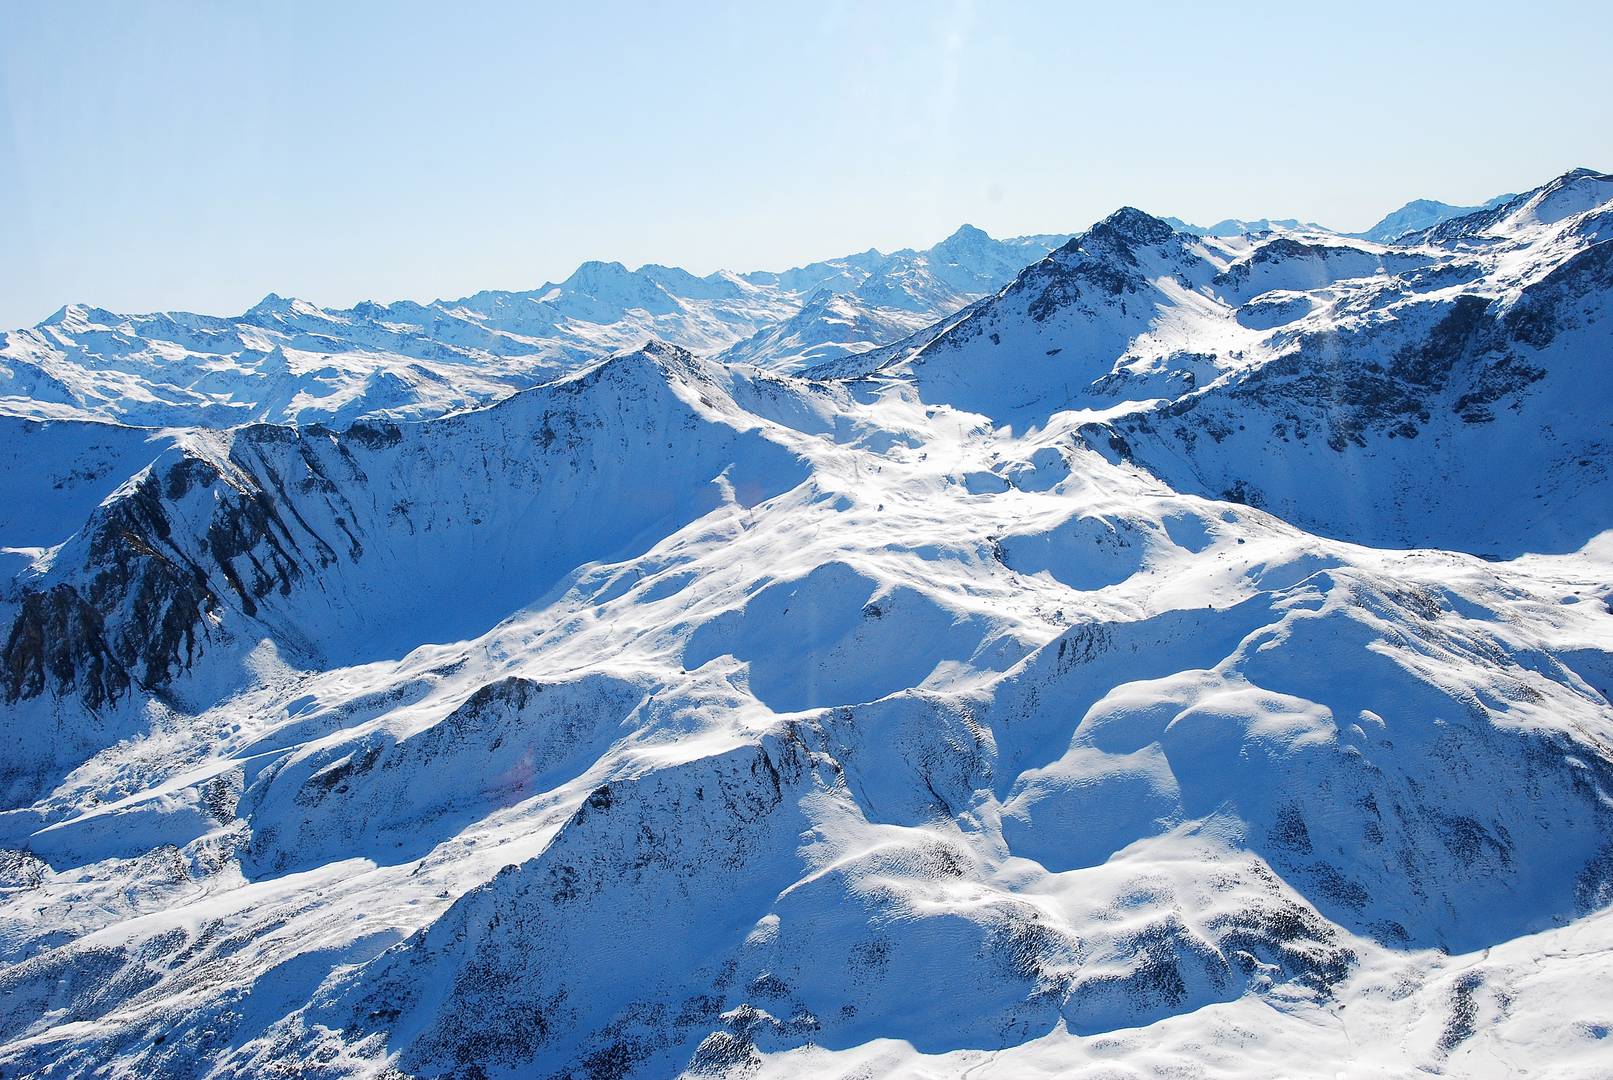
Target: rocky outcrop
<point>58,640</point>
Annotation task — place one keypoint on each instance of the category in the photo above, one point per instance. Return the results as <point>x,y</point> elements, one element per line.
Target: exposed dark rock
<point>58,639</point>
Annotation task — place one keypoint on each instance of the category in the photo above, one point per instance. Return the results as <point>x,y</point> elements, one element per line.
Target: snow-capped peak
<point>966,236</point>
<point>1522,218</point>
<point>1421,214</point>
<point>79,316</point>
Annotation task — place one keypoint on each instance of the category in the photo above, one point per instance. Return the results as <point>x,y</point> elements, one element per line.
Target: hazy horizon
<point>199,157</point>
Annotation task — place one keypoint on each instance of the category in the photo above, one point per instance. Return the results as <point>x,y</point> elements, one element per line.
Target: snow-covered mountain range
<point>1242,226</point>
<point>1179,654</point>
<point>1415,216</point>
<point>1422,214</point>
<point>290,361</point>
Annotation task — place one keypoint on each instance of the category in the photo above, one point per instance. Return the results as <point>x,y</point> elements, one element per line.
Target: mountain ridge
<point>409,359</point>
<point>1185,643</point>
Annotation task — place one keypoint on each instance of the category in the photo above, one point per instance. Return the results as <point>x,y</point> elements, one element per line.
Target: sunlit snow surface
<point>290,361</point>
<point>946,720</point>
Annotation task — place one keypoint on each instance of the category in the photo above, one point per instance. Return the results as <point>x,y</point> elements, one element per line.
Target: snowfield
<point>1189,655</point>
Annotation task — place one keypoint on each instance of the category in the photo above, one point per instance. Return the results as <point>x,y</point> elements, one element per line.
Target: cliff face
<point>346,546</point>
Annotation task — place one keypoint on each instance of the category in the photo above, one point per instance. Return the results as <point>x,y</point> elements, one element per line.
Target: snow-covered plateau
<point>1169,652</point>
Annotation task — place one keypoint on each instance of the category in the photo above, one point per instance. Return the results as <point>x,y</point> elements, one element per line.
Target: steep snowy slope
<point>1422,214</point>
<point>1125,308</point>
<point>1458,403</point>
<point>803,769</point>
<point>343,547</point>
<point>54,473</point>
<point>1434,393</point>
<point>681,718</point>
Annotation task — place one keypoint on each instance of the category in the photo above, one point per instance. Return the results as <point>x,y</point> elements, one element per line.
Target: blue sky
<point>198,156</point>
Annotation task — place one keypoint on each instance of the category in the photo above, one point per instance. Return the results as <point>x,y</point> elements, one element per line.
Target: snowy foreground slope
<point>1192,659</point>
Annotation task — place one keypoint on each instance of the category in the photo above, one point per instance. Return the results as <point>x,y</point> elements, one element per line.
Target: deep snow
<point>996,707</point>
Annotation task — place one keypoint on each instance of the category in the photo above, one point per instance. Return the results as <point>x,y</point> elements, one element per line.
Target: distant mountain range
<point>288,360</point>
<point>1414,216</point>
<point>1243,227</point>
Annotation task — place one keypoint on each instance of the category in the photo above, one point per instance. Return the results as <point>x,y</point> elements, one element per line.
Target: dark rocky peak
<point>1286,263</point>
<point>1107,252</point>
<point>1282,248</point>
<point>1131,226</point>
<point>663,352</point>
<point>668,358</point>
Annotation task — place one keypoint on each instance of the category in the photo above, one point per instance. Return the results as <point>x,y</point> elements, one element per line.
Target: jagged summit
<point>662,350</point>
<point>614,282</point>
<point>78,314</point>
<point>276,306</point>
<point>1131,225</point>
<point>664,358</point>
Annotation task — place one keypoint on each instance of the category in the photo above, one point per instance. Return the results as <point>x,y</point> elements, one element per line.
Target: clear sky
<point>197,156</point>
